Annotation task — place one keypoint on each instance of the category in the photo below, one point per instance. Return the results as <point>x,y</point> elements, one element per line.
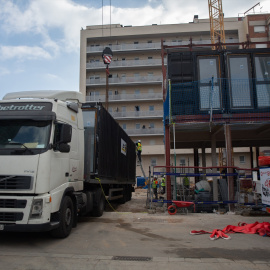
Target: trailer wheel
<point>129,193</point>
<point>66,219</point>
<point>99,203</point>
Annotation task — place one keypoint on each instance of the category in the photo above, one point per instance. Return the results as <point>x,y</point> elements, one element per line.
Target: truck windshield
<point>24,134</point>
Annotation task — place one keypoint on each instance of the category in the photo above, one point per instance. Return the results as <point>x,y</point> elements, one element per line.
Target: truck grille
<point>12,203</point>
<point>11,217</point>
<point>10,182</point>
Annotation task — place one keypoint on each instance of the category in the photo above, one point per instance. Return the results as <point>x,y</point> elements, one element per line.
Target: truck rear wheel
<point>99,203</point>
<point>66,219</point>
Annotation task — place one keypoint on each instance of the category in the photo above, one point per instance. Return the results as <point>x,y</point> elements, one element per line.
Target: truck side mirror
<point>66,133</point>
<point>64,148</point>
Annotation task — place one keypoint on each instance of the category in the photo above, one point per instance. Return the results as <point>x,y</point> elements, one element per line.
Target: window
<point>137,92</point>
<point>136,75</point>
<point>153,162</point>
<point>182,162</point>
<point>151,108</point>
<point>151,125</point>
<point>136,42</point>
<point>137,108</point>
<point>94,93</point>
<point>138,126</point>
<point>110,109</point>
<point>124,126</point>
<point>242,159</point>
<point>259,29</point>
<point>136,58</point>
<point>150,57</point>
<point>124,108</point>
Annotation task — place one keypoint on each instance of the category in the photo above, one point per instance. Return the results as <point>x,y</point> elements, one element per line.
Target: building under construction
<point>216,99</point>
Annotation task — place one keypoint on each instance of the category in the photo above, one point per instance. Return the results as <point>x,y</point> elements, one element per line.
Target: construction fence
<point>196,184</point>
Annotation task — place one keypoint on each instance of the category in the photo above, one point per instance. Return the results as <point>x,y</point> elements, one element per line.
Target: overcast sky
<point>40,39</point>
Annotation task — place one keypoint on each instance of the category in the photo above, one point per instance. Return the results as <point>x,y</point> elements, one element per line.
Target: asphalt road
<point>126,240</point>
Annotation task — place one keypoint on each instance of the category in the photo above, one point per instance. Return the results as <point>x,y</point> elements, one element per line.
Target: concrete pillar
<point>228,140</point>
<point>214,164</point>
<point>168,164</point>
<point>204,162</point>
<point>196,163</point>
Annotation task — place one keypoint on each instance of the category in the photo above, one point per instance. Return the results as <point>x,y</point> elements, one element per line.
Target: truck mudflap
<point>29,227</point>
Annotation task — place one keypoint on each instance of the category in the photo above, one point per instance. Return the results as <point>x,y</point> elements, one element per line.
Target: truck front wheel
<point>66,219</point>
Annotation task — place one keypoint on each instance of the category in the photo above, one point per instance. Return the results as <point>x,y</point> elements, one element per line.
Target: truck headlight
<point>37,207</point>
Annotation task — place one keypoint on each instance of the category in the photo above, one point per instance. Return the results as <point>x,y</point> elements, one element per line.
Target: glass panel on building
<point>153,162</point>
<point>262,69</point>
<point>240,89</point>
<point>209,90</point>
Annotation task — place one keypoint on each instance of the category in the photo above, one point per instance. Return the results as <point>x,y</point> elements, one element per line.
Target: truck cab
<point>41,160</point>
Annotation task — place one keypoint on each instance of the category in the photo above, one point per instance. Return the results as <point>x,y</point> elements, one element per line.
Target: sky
<point>40,39</point>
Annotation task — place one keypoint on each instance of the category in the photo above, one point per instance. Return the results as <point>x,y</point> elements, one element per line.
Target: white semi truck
<point>58,157</point>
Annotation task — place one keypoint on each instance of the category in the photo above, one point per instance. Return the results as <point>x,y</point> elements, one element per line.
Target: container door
<point>240,82</point>
<point>209,83</point>
<point>89,122</point>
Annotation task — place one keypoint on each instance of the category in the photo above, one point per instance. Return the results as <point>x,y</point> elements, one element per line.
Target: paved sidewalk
<point>45,261</point>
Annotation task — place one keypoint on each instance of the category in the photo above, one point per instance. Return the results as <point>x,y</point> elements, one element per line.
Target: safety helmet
<point>139,140</point>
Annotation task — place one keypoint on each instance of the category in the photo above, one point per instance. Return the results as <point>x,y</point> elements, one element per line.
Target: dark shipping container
<point>110,154</point>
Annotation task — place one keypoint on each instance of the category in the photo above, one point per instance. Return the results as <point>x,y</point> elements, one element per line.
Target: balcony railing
<point>145,131</point>
<point>149,46</point>
<point>125,97</point>
<point>126,63</point>
<point>138,114</point>
<point>125,47</point>
<point>125,80</point>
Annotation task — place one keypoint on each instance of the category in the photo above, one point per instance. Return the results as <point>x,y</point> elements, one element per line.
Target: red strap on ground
<point>263,229</point>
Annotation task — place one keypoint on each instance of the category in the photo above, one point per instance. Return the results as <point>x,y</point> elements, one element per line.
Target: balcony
<point>126,64</point>
<point>145,131</point>
<point>125,97</point>
<point>125,47</point>
<point>125,80</point>
<point>149,46</point>
<point>138,114</point>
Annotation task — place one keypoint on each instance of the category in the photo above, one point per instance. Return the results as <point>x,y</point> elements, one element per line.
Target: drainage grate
<point>132,258</point>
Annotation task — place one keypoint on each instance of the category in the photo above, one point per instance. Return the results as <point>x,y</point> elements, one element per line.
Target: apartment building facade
<point>135,97</point>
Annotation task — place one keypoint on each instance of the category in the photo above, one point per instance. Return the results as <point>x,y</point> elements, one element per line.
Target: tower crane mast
<point>216,17</point>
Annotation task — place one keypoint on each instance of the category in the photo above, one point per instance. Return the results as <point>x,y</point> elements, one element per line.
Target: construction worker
<point>163,185</point>
<point>186,182</point>
<point>154,187</point>
<point>139,150</point>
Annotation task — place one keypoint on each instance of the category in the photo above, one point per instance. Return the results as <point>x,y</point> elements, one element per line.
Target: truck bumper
<point>29,227</point>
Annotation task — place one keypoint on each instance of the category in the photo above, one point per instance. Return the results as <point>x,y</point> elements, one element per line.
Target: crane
<point>216,17</point>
